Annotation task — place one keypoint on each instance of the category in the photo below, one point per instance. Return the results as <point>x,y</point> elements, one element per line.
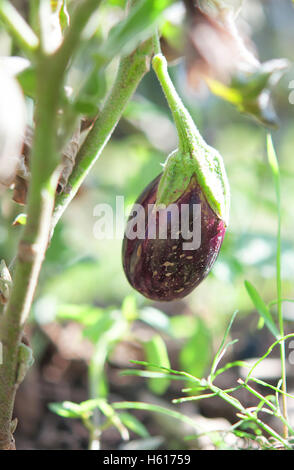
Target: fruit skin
<point>160,269</point>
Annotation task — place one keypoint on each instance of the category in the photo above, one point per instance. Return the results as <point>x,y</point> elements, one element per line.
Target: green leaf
<point>85,106</point>
<point>156,353</point>
<point>196,353</point>
<point>64,18</point>
<point>274,165</point>
<point>129,308</point>
<point>110,413</point>
<point>28,81</point>
<point>250,92</point>
<point>66,409</point>
<point>155,318</point>
<point>166,370</point>
<point>133,424</point>
<point>123,405</point>
<point>194,398</point>
<point>183,326</point>
<point>20,219</point>
<point>262,309</point>
<point>155,375</point>
<point>222,348</point>
<point>125,36</point>
<point>229,365</point>
<point>91,94</point>
<point>118,3</point>
<point>84,314</point>
<point>100,327</point>
<point>108,328</point>
<point>90,405</point>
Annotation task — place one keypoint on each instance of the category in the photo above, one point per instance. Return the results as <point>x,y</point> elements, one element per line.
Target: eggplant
<point>162,269</point>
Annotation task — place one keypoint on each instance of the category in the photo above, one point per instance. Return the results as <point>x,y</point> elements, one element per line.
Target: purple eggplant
<point>161,269</point>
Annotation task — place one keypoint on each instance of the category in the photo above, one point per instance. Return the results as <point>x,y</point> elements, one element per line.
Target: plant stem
<point>131,71</point>
<point>33,243</point>
<point>279,341</point>
<point>156,43</point>
<point>276,175</point>
<point>187,131</point>
<point>269,404</point>
<point>280,317</point>
<point>44,176</point>
<point>251,417</point>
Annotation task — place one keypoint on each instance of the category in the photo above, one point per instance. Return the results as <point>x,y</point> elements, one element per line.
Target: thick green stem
<point>131,71</point>
<point>44,176</point>
<point>33,243</point>
<point>188,133</point>
<point>193,157</point>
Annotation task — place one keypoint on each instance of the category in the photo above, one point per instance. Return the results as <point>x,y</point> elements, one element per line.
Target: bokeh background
<point>82,280</point>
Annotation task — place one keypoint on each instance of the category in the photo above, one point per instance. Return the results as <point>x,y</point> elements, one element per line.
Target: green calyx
<point>193,157</point>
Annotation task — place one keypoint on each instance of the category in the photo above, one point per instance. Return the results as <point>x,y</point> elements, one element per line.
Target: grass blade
<point>262,309</point>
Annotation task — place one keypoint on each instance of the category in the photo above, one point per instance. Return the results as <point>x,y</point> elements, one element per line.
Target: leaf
<point>166,369</point>
<point>156,353</point>
<point>155,375</point>
<point>84,314</point>
<point>222,348</point>
<point>250,92</point>
<point>123,405</point>
<point>155,318</point>
<point>64,18</point>
<point>85,106</point>
<point>194,398</point>
<point>229,365</point>
<point>108,328</point>
<point>133,424</point>
<point>90,405</point>
<point>91,94</point>
<point>196,353</point>
<point>119,3</point>
<point>103,324</point>
<point>125,36</point>
<point>273,162</point>
<point>129,308</point>
<point>66,409</point>
<point>183,326</point>
<point>28,81</point>
<point>20,219</point>
<point>110,413</point>
<point>262,309</point>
